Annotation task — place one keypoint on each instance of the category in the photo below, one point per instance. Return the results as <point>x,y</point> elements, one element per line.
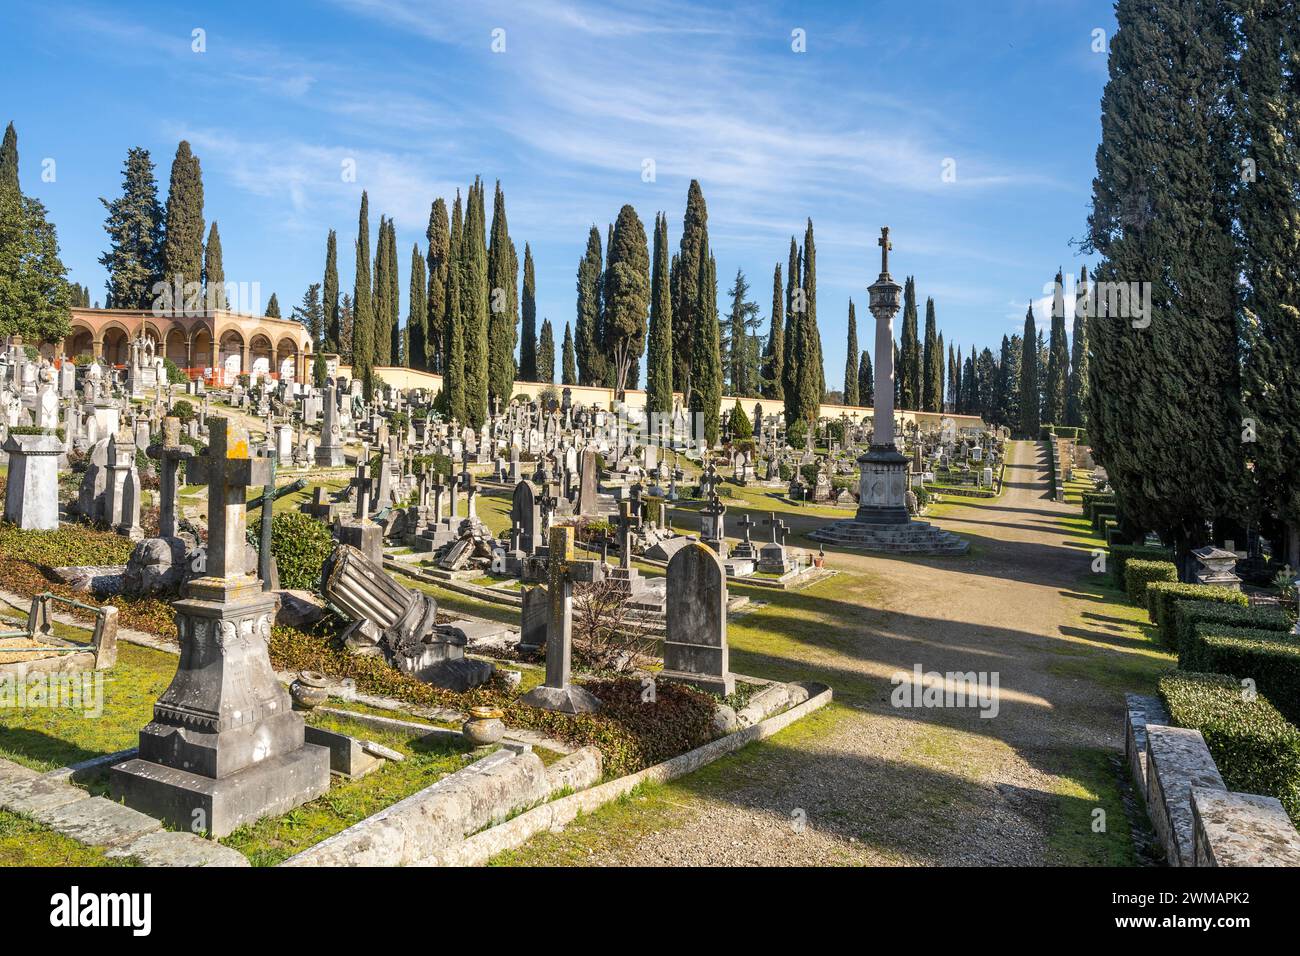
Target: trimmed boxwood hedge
<point>1091,498</point>
<point>1100,512</point>
<point>1188,614</point>
<point>1270,658</point>
<point>1255,748</point>
<point>1139,573</point>
<point>1161,596</point>
<point>1121,553</point>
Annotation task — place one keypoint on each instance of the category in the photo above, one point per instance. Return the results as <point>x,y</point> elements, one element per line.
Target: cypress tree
<point>214,273</point>
<point>453,382</point>
<point>381,307</point>
<point>1270,106</point>
<point>135,235</point>
<point>394,299</point>
<point>590,270</point>
<point>503,305</point>
<point>851,361</point>
<point>909,372</point>
<point>1029,407</point>
<point>9,162</point>
<point>939,382</point>
<point>474,307</point>
<point>438,235</point>
<point>706,360</point>
<point>362,307</point>
<point>546,354</point>
<point>688,304</point>
<point>569,371</point>
<point>1058,358</point>
<point>931,364</point>
<point>954,378</point>
<point>794,305</point>
<point>866,381</point>
<point>330,304</point>
<point>1076,401</point>
<point>814,335</point>
<point>528,356</point>
<point>659,349</point>
<point>183,235</point>
<point>774,369</point>
<point>986,376</point>
<point>346,317</point>
<point>418,308</point>
<point>626,296</point>
<point>273,307</point>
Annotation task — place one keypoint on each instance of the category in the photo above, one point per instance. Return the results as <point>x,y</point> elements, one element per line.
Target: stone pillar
<point>32,494</point>
<point>224,747</point>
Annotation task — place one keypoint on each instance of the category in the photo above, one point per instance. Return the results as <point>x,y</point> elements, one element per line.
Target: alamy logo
<point>931,689</point>
<point>74,908</point>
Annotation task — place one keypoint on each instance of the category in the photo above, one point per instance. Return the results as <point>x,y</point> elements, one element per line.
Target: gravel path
<point>868,783</point>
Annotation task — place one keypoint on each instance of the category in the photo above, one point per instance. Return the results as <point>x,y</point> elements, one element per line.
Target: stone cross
<point>779,528</point>
<point>228,469</point>
<point>169,455</point>
<point>628,518</point>
<point>885,246</point>
<point>746,522</point>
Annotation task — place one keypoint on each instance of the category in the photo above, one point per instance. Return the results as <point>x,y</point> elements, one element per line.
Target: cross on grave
<point>228,469</point>
<point>779,528</point>
<point>885,245</point>
<point>709,481</point>
<point>557,692</point>
<point>169,455</point>
<point>745,522</point>
<point>629,518</point>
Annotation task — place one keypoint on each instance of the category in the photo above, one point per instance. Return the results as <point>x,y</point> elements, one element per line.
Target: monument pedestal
<point>882,487</point>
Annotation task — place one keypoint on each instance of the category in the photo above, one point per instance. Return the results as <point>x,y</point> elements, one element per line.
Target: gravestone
<point>224,747</point>
<point>32,494</point>
<point>534,620</point>
<point>695,645</point>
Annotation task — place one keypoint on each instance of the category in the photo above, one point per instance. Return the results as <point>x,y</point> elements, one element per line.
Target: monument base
<point>882,488</point>
<point>330,456</point>
<point>571,699</point>
<point>723,686</point>
<point>217,807</point>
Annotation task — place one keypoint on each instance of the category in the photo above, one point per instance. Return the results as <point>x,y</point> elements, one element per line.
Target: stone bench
<point>1241,829</point>
<point>1177,762</point>
<point>1139,710</point>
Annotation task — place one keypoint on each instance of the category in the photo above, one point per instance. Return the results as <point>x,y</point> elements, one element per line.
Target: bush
<point>1270,658</point>
<point>1090,498</point>
<point>1189,614</point>
<point>1255,748</point>
<point>300,544</point>
<point>174,375</point>
<point>184,411</point>
<point>1139,573</point>
<point>1161,596</point>
<point>797,433</point>
<point>1120,555</point>
<point>741,426</point>
<point>1102,510</point>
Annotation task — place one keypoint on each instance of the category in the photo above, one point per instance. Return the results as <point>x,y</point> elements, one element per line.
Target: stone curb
<point>479,848</point>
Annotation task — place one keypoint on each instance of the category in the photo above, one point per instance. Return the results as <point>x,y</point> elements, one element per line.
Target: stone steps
<point>917,537</point>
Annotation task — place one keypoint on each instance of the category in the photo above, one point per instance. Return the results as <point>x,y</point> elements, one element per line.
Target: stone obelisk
<point>882,497</point>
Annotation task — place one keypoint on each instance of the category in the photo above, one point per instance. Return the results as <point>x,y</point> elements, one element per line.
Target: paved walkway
<point>869,783</point>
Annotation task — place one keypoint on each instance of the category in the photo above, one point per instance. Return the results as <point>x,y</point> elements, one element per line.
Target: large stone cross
<point>228,469</point>
<point>885,246</point>
<point>628,519</point>
<point>169,456</point>
<point>779,528</point>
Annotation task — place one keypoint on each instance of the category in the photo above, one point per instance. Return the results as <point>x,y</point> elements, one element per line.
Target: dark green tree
<point>363,331</point>
<point>503,305</point>
<point>774,355</point>
<point>545,371</point>
<point>706,360</point>
<point>330,294</point>
<point>687,304</point>
<point>931,364</point>
<point>626,296</point>
<point>9,161</point>
<point>659,348</point>
<point>528,357</point>
<point>474,294</point>
<point>214,272</point>
<point>1029,403</point>
<point>851,396</point>
<point>183,233</point>
<point>569,373</point>
<point>438,235</point>
<point>909,351</point>
<point>453,382</point>
<point>273,307</point>
<point>591,359</point>
<point>1076,401</point>
<point>135,236</point>
<point>1058,358</point>
<point>417,309</point>
<point>866,381</point>
<point>34,293</point>
<point>741,322</point>
<point>311,315</point>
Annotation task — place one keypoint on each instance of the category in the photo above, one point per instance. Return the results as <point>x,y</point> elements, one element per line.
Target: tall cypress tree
<point>346,317</point>
<point>814,334</point>
<point>659,349</point>
<point>1076,400</point>
<point>591,366</point>
<point>394,299</point>
<point>1029,407</point>
<point>474,307</point>
<point>706,358</point>
<point>9,162</point>
<point>688,304</point>
<point>909,372</point>
<point>183,235</point>
<point>135,235</point>
<point>503,305</point>
<point>570,365</point>
<point>940,380</point>
<point>931,363</point>
<point>438,235</point>
<point>1165,391</point>
<point>214,272</point>
<point>774,366</point>
<point>417,309</point>
<point>866,381</point>
<point>363,343</point>
<point>382,309</point>
<point>545,355</point>
<point>1058,357</point>
<point>851,361</point>
<point>273,307</point>
<point>453,382</point>
<point>809,378</point>
<point>626,296</point>
<point>528,358</point>
<point>330,303</point>
<point>1270,229</point>
<point>794,305</point>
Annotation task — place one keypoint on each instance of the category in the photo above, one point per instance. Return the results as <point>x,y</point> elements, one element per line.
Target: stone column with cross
<point>745,550</point>
<point>169,456</point>
<point>224,747</point>
<point>626,576</point>
<point>558,693</point>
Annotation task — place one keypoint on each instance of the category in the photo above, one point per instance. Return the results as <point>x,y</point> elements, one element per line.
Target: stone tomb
<point>224,747</point>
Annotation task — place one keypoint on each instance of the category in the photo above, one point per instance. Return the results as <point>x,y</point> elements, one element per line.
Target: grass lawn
<point>26,843</point>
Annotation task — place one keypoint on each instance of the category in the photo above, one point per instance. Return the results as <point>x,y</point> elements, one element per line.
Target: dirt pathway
<point>869,782</point>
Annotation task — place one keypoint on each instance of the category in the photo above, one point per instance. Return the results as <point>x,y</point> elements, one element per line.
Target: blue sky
<point>854,132</point>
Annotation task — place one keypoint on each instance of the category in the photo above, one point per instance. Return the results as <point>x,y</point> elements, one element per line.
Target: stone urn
<point>309,689</point>
<point>484,726</point>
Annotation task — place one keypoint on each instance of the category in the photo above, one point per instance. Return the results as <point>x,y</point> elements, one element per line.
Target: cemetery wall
<point>588,395</point>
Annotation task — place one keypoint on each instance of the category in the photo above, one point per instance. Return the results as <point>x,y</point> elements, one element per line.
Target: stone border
<point>477,849</point>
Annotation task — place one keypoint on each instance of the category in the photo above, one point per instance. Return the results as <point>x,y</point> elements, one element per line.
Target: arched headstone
<point>695,648</point>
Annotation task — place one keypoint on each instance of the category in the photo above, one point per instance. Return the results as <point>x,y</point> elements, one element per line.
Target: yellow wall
<point>589,395</point>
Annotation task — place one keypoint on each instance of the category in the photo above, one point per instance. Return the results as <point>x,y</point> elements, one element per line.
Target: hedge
<point>1255,748</point>
<point>1161,597</point>
<point>1090,498</point>
<point>1188,614</point>
<point>1270,658</point>
<point>1100,512</point>
<point>1139,573</point>
<point>1121,553</point>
